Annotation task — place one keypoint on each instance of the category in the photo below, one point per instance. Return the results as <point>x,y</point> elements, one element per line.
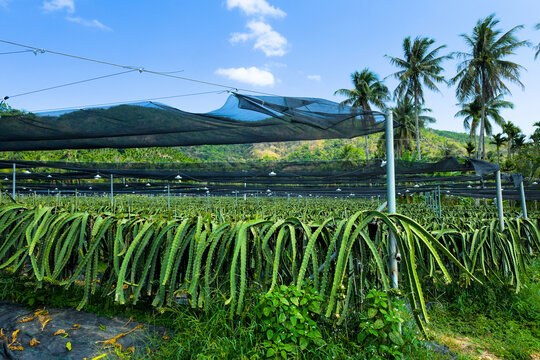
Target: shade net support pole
<point>14,181</point>
<point>523,200</point>
<point>499,199</point>
<point>112,193</point>
<point>391,195</point>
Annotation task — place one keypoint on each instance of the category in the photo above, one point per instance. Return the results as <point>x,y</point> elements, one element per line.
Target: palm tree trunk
<point>367,149</point>
<point>509,148</point>
<point>417,128</point>
<point>475,146</point>
<point>498,157</point>
<point>482,130</point>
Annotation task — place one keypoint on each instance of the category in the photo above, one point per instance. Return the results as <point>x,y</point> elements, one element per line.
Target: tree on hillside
<point>518,142</point>
<point>472,113</point>
<point>535,137</point>
<point>511,131</point>
<point>368,91</point>
<point>469,148</point>
<point>420,67</point>
<point>349,153</point>
<point>484,68</point>
<point>498,140</point>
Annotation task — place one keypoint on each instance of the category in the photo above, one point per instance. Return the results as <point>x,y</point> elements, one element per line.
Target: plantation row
<point>454,209</point>
<point>195,258</point>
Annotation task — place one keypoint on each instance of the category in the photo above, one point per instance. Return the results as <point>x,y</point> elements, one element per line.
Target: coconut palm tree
<point>421,66</point>
<point>518,142</point>
<point>469,148</point>
<point>368,91</point>
<point>348,152</point>
<point>406,114</point>
<point>484,69</point>
<point>535,137</point>
<point>537,46</point>
<point>472,113</point>
<point>511,131</point>
<point>498,140</point>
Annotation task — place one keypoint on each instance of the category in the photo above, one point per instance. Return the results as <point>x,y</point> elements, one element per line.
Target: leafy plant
<point>380,325</point>
<point>287,318</point>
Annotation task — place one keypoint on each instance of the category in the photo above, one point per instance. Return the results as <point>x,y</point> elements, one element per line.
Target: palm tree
<point>405,113</point>
<point>469,148</point>
<point>511,131</point>
<point>537,46</point>
<point>420,67</point>
<point>472,113</point>
<point>348,153</point>
<point>535,137</point>
<point>368,90</point>
<point>484,69</point>
<point>498,140</point>
<point>518,142</point>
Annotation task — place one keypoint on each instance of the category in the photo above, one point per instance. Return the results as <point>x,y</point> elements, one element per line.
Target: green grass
<point>495,321</point>
<point>492,318</point>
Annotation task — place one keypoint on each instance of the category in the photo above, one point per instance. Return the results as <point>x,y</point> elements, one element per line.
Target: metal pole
<point>391,196</point>
<point>14,180</point>
<point>112,193</point>
<point>523,201</point>
<point>439,193</point>
<point>499,199</point>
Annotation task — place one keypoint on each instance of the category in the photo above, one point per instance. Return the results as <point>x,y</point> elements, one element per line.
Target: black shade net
<point>242,119</point>
<point>460,177</point>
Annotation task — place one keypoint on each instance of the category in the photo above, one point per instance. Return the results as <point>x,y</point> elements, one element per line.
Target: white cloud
<point>256,7</point>
<point>314,77</point>
<point>56,5</point>
<point>88,23</point>
<point>267,39</point>
<point>251,75</point>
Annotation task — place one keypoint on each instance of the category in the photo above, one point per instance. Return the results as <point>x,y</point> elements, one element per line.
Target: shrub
<point>287,319</point>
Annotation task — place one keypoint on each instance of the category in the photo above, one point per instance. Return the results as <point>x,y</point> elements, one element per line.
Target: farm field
<point>302,276</point>
<point>264,180</point>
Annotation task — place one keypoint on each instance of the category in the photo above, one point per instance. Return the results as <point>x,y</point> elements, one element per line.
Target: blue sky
<point>295,48</point>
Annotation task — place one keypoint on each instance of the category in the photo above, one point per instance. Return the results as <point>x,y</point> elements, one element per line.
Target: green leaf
<point>267,311</point>
<point>303,343</point>
<point>294,300</point>
<point>269,334</point>
<point>68,346</point>
<point>379,324</point>
<point>282,317</point>
<point>271,352</point>
<point>372,312</point>
<point>396,338</point>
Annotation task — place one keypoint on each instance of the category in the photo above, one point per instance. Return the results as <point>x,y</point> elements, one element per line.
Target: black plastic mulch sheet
<point>86,337</point>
